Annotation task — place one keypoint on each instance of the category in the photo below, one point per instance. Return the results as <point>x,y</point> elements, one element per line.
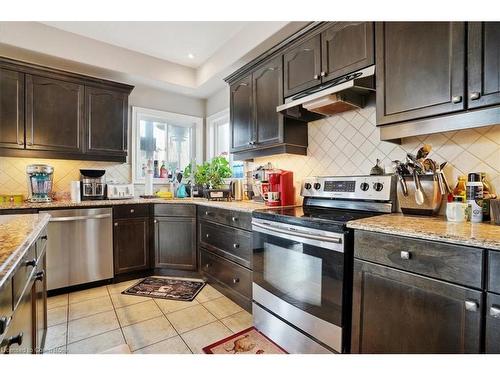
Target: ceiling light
<point>190,55</point>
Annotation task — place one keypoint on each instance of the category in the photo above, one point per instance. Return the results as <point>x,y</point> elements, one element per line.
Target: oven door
<point>298,274</point>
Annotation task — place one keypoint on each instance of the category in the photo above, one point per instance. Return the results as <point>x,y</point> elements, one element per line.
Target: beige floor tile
<point>137,313</point>
<point>174,345</point>
<point>92,325</point>
<point>89,307</point>
<point>207,293</point>
<point>97,344</point>
<point>122,300</point>
<point>57,315</point>
<point>56,336</point>
<point>57,301</point>
<point>190,318</point>
<point>148,332</point>
<point>169,306</point>
<point>222,307</point>
<point>239,321</point>
<point>120,287</point>
<point>198,338</point>
<point>84,295</point>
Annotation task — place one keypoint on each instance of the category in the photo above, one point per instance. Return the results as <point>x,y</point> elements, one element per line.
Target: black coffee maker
<point>92,184</point>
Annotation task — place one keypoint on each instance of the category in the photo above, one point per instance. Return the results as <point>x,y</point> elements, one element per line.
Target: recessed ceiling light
<point>190,55</point>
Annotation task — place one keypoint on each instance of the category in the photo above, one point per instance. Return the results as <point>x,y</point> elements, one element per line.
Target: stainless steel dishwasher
<point>79,246</point>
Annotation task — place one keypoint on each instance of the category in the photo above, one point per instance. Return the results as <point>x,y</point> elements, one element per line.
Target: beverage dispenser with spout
<point>40,177</point>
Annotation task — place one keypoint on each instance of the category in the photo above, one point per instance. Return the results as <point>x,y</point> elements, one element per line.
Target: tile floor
<point>95,320</point>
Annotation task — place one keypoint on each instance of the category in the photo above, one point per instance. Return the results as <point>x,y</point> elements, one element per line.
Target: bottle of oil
<point>460,189</point>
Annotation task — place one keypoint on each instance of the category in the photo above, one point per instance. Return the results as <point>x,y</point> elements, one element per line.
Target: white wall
<point>217,102</point>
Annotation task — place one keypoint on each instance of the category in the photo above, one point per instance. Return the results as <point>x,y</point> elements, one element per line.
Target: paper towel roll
<point>75,191</point>
<point>148,184</point>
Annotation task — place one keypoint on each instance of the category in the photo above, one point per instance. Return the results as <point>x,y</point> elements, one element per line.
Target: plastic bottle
<point>474,192</point>
<point>460,188</point>
<point>163,170</point>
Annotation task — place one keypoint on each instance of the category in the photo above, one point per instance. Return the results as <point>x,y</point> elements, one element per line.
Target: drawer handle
<point>44,238</point>
<point>155,221</point>
<point>236,280</point>
<point>13,340</point>
<point>116,224</point>
<point>405,254</point>
<point>475,95</point>
<point>207,265</point>
<point>30,263</point>
<point>234,219</point>
<point>206,213</point>
<point>456,99</point>
<point>236,245</point>
<point>495,312</point>
<point>132,210</point>
<point>3,324</point>
<point>207,235</point>
<point>40,275</point>
<point>471,306</point>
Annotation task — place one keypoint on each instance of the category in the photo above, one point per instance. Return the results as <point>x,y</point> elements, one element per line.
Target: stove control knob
<point>364,186</point>
<point>378,186</point>
<point>317,186</point>
<point>307,185</point>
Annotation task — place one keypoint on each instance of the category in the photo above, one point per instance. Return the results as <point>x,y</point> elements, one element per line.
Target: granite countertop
<point>245,206</point>
<point>484,235</point>
<point>17,233</point>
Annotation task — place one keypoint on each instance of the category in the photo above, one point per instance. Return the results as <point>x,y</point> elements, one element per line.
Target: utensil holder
<point>495,210</point>
<point>433,197</point>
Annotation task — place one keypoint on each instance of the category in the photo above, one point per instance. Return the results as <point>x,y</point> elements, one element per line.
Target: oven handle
<point>336,240</point>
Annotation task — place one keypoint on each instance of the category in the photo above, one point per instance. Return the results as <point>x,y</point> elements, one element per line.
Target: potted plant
<point>210,175</point>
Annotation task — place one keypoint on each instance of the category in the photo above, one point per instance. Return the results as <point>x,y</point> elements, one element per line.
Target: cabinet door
<point>267,84</point>
<point>131,244</point>
<point>420,69</point>
<point>241,117</point>
<point>11,109</point>
<point>493,324</point>
<point>483,64</point>
<point>399,312</point>
<point>40,305</point>
<point>54,115</point>
<point>302,66</point>
<point>175,243</point>
<point>345,48</point>
<point>106,119</point>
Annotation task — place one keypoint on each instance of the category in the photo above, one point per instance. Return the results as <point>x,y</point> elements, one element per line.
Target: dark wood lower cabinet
<point>131,244</point>
<point>40,305</point>
<point>398,312</point>
<point>492,334</point>
<point>19,337</point>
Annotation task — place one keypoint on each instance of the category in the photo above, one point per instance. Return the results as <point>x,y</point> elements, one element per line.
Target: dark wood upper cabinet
<point>106,116</point>
<point>420,69</point>
<point>345,48</point>
<point>267,83</point>
<point>131,244</point>
<point>11,109</point>
<point>54,115</point>
<point>399,312</point>
<point>175,243</point>
<point>483,64</point>
<point>241,117</point>
<point>302,66</point>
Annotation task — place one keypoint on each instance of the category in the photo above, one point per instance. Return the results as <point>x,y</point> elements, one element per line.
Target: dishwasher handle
<point>79,218</point>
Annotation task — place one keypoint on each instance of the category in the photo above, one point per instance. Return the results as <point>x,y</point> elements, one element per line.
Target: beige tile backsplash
<point>344,144</point>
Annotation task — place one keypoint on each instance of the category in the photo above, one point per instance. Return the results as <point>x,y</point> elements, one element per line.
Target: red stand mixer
<point>281,190</point>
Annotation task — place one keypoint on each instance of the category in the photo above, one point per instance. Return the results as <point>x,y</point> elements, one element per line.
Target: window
<point>218,134</point>
<point>169,139</point>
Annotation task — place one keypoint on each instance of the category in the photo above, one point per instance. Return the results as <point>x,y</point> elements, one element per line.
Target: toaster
<point>120,191</point>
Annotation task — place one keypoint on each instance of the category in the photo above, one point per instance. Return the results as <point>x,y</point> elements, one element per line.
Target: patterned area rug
<point>248,341</point>
<point>167,288</point>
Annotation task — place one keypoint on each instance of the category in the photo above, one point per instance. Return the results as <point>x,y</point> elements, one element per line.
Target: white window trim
<point>156,114</point>
<point>211,132</point>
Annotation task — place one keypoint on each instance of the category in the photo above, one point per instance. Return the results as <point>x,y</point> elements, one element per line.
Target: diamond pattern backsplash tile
<point>13,173</point>
<point>349,143</point>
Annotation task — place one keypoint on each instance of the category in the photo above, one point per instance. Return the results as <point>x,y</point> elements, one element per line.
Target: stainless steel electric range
<point>302,261</point>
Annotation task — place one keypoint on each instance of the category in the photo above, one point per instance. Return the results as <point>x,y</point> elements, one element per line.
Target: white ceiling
<point>172,41</point>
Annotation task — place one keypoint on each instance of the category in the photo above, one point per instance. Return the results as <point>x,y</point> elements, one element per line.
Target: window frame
<point>139,113</point>
<point>211,133</point>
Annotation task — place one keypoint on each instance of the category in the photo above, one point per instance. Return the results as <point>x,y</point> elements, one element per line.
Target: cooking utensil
<point>423,152</point>
<point>377,170</point>
<point>400,170</point>
<point>419,196</point>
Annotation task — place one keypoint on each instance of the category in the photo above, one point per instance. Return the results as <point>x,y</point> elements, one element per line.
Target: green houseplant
<point>210,174</point>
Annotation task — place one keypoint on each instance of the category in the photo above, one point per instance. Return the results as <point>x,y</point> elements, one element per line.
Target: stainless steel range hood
<point>339,95</point>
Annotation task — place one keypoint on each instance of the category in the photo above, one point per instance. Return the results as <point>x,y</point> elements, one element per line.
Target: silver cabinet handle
<point>323,74</point>
<point>20,143</point>
<point>236,280</point>
<point>236,246</point>
<point>471,306</point>
<point>495,312</point>
<point>29,143</point>
<point>78,218</point>
<point>405,254</point>
<point>244,84</point>
<point>206,213</point>
<point>156,221</point>
<point>116,224</point>
<point>456,99</point>
<point>298,234</point>
<point>234,219</point>
<point>474,95</point>
<point>132,210</point>
<point>316,76</point>
<point>207,235</point>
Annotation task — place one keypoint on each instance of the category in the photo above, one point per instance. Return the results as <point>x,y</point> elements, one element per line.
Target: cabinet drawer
<point>228,242</point>
<point>494,271</point>
<point>228,273</point>
<point>458,264</point>
<point>492,337</point>
<point>22,276</point>
<point>238,219</point>
<point>5,304</point>
<point>172,209</point>
<point>130,210</point>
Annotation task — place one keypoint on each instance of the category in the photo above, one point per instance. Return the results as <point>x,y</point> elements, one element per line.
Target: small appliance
<point>279,190</point>
<point>93,185</point>
<point>303,261</point>
<point>40,177</point>
<point>120,191</point>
